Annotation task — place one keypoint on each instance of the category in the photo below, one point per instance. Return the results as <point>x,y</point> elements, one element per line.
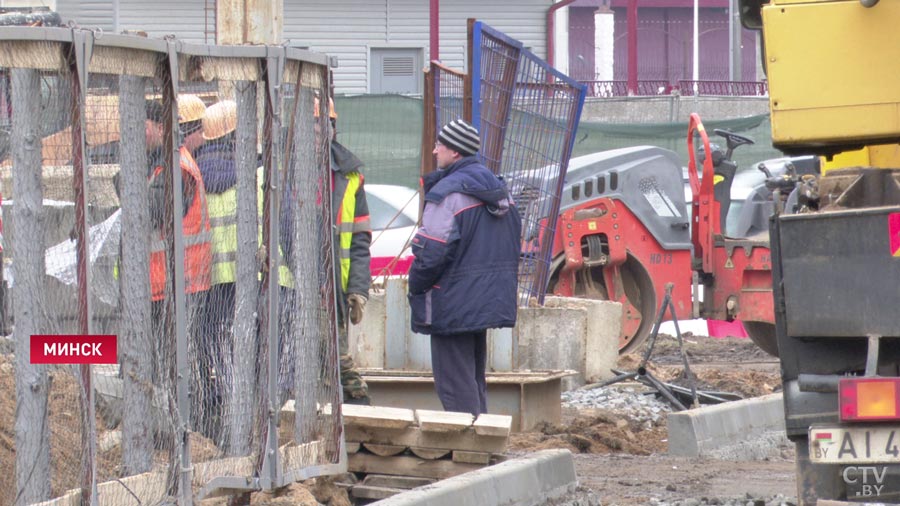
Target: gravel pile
<point>586,497</point>
<point>634,401</point>
<point>776,500</point>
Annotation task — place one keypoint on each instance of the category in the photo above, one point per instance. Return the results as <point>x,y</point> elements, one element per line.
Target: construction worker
<point>464,276</point>
<point>350,212</point>
<point>217,165</point>
<point>191,111</point>
<point>195,229</point>
<point>351,273</point>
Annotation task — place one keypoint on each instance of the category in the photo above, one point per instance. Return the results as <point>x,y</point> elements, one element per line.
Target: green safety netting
<point>385,131</point>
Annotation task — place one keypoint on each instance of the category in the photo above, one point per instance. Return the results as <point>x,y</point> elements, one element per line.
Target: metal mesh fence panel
<point>529,113</point>
<point>138,416</point>
<point>496,58</point>
<point>538,143</point>
<point>444,99</point>
<point>309,350</point>
<point>219,118</point>
<point>175,197</point>
<point>450,104</point>
<point>43,406</point>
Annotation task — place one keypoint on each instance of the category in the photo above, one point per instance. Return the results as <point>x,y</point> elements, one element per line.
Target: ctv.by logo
<point>868,478</point>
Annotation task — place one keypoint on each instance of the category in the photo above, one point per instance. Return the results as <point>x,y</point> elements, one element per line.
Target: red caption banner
<point>74,349</point>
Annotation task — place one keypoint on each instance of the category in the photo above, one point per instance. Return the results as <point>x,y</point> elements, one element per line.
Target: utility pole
<point>695,75</point>
<point>249,21</point>
<point>735,43</point>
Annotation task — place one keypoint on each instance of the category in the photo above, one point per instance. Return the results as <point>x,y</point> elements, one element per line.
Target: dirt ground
<point>626,464</point>
<point>622,461</point>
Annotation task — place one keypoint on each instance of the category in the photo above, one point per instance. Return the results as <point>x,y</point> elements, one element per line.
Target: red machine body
<point>604,249</point>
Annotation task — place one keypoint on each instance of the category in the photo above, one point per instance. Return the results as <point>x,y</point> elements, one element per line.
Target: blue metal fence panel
<point>528,120</point>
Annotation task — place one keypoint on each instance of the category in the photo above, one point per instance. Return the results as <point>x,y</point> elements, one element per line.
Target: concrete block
<point>367,339</point>
<point>551,338</point>
<point>741,430</point>
<point>565,334</point>
<point>503,350</point>
<point>533,479</point>
<point>603,324</point>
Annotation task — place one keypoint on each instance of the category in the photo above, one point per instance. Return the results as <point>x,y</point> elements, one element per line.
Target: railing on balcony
<point>608,89</point>
<point>620,88</point>
<point>725,88</point>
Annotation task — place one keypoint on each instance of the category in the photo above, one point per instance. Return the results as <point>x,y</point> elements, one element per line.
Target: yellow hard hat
<point>331,112</point>
<point>190,108</point>
<point>220,119</point>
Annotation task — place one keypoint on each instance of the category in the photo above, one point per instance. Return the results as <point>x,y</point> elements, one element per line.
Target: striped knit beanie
<point>460,137</point>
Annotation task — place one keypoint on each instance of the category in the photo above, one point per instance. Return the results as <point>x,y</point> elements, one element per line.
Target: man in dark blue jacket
<point>463,279</point>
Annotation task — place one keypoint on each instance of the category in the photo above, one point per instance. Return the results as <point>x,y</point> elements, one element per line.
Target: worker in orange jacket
<point>195,230</point>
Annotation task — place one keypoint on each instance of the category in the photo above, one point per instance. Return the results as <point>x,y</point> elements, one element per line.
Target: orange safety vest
<point>196,230</point>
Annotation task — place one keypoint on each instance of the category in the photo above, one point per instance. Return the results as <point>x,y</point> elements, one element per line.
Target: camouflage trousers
<point>351,381</point>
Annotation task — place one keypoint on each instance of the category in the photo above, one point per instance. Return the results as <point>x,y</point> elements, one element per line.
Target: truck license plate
<point>844,445</point>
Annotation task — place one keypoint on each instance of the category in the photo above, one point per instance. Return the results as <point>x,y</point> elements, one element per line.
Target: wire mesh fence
<point>496,60</point>
<point>528,114</point>
<point>445,101</point>
<point>222,306</point>
<point>47,410</point>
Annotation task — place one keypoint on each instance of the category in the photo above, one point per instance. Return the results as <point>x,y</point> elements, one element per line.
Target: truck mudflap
<point>840,272</point>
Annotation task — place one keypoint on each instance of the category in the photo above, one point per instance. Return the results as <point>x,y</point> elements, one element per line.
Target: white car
<point>393,211</point>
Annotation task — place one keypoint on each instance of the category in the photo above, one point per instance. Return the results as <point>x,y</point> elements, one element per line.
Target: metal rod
<point>604,383</point>
<point>664,390</point>
<point>823,383</point>
<point>175,250</point>
<point>687,367</point>
<point>78,76</point>
<point>872,355</point>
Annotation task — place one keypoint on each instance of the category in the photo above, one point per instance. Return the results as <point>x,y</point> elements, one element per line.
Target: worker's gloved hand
<point>357,305</point>
<point>261,255</point>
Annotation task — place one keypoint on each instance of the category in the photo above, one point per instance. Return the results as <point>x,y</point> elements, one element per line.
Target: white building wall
<point>89,13</point>
<point>159,18</point>
<point>561,40</point>
<point>348,29</point>
<point>182,18</point>
<point>604,48</point>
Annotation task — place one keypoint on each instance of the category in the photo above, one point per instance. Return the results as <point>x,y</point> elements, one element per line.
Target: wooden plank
<point>377,493</point>
<point>384,450</point>
<point>147,486</point>
<point>443,421</point>
<point>230,466</point>
<point>378,416</point>
<point>351,447</point>
<point>404,465</point>
<point>294,455</point>
<point>150,487</point>
<point>465,440</point>
<point>428,453</point>
<point>512,378</point>
<point>471,457</point>
<point>493,425</point>
<point>405,482</point>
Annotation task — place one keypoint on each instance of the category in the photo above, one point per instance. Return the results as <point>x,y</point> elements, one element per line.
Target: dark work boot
<point>360,401</point>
